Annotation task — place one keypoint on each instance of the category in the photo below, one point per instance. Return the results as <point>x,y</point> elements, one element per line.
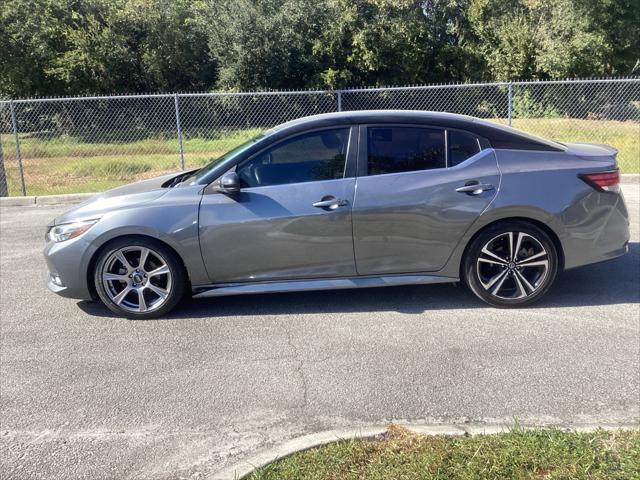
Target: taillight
<point>603,181</point>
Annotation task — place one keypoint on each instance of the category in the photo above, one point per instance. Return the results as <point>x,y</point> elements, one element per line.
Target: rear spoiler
<point>591,149</point>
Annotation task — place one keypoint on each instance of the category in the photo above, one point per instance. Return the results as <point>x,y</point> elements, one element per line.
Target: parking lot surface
<point>88,395</point>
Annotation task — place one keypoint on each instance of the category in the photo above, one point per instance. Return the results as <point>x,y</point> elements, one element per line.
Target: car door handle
<point>474,188</point>
<point>330,203</point>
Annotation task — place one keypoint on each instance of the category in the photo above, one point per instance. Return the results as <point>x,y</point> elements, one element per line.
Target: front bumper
<point>69,261</point>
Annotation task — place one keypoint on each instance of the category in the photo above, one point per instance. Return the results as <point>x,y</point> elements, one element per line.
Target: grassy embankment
<point>517,454</point>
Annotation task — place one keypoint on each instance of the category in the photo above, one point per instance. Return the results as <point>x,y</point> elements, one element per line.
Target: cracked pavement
<point>88,395</point>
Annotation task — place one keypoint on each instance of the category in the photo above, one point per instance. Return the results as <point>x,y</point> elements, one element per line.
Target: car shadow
<point>609,283</point>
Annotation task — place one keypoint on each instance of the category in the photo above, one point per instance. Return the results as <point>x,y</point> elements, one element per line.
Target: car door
<point>418,190</point>
<point>292,216</point>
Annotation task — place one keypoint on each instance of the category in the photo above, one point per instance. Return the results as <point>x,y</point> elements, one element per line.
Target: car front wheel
<point>511,264</point>
<point>139,278</point>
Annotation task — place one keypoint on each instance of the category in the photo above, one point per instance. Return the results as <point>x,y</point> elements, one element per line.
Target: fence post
<point>23,187</point>
<point>339,97</point>
<point>4,188</point>
<point>179,128</point>
<point>510,102</point>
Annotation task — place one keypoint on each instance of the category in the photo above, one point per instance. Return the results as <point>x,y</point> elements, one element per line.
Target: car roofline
<point>499,136</point>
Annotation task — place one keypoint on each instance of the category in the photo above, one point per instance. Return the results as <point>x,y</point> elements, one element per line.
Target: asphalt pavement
<point>87,395</point>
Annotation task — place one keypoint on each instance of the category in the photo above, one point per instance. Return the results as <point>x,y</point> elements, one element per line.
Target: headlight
<point>67,231</point>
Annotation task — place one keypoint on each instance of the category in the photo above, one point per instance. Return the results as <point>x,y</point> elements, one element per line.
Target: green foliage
<point>526,106</point>
<point>102,46</point>
<point>386,42</point>
<point>542,39</point>
<point>264,44</point>
<point>30,40</point>
<point>68,47</point>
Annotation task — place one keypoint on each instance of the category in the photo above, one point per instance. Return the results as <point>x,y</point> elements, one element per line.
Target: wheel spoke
<point>142,304</point>
<point>523,279</point>
<point>161,292</point>
<point>494,262</point>
<point>526,261</point>
<point>495,279</point>
<point>144,253</point>
<point>114,276</point>
<point>498,286</point>
<point>162,270</point>
<point>486,251</point>
<point>123,260</point>
<point>511,256</point>
<point>120,297</point>
<point>541,263</point>
<point>518,243</point>
<point>522,292</point>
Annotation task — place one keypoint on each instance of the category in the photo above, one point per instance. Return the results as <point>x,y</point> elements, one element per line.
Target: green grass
<point>518,454</point>
<point>68,164</point>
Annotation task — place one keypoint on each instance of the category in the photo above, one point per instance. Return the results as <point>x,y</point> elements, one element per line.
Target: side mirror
<point>229,183</point>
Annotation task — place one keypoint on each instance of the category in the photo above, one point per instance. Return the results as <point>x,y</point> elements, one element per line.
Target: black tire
<point>152,304</point>
<point>483,272</point>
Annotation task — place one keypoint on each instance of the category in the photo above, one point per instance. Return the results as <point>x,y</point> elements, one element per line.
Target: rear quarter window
<point>462,145</point>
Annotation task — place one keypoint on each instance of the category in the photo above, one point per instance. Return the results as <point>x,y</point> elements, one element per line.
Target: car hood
<point>117,198</point>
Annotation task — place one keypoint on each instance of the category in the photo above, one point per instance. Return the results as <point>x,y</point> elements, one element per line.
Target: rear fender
<point>452,268</point>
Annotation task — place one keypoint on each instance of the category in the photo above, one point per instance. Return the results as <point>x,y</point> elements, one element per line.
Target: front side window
<point>309,157</point>
<point>404,149</point>
<point>462,145</point>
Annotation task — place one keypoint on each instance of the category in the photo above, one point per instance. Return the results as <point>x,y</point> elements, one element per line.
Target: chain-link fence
<point>64,145</point>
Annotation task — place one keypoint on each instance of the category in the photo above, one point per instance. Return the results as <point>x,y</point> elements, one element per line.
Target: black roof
<point>499,136</point>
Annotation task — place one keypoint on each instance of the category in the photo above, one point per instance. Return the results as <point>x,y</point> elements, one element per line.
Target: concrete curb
<point>627,178</point>
<point>65,199</point>
<point>245,467</point>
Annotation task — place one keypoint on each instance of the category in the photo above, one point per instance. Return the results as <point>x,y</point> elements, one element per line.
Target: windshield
<point>214,163</point>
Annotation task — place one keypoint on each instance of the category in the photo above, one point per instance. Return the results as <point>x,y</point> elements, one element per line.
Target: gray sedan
<point>346,200</point>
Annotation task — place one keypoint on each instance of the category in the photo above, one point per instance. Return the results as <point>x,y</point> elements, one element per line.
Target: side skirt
<point>203,291</point>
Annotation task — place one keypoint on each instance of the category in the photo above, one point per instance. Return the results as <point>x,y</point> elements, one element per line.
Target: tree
<point>30,39</point>
<point>265,44</point>
<point>134,46</point>
<point>618,22</point>
<point>103,46</point>
<point>539,39</point>
<point>70,47</point>
<point>378,42</point>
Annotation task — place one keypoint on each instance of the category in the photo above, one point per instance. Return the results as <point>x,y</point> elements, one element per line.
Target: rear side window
<point>404,149</point>
<point>462,145</point>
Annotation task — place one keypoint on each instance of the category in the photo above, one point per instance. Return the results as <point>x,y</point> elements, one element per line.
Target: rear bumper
<point>600,235</point>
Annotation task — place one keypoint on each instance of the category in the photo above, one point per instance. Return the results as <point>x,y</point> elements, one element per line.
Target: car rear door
<point>292,216</point>
<point>418,190</point>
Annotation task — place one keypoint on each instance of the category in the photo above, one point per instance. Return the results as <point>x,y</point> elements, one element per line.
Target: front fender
<point>172,219</point>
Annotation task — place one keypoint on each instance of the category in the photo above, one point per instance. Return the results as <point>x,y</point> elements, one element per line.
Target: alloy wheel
<point>512,265</point>
<point>137,279</point>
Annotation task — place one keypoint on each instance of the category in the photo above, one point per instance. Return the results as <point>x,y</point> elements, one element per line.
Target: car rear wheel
<point>511,264</point>
<point>139,278</point>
